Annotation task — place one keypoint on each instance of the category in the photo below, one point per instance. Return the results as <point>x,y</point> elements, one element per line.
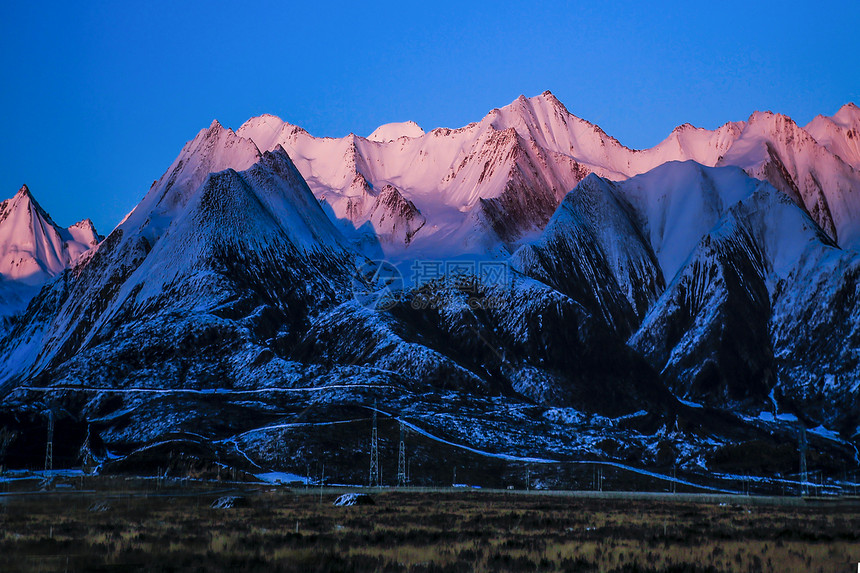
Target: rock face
<point>641,311</point>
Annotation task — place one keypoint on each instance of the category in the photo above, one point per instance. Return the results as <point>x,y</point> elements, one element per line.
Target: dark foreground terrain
<point>128,525</point>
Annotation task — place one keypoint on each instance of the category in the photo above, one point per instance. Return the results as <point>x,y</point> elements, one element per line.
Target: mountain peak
<point>86,222</point>
<point>392,131</point>
<point>848,115</point>
<point>24,199</point>
<point>84,232</point>
<point>684,127</point>
<point>33,248</point>
<point>764,116</point>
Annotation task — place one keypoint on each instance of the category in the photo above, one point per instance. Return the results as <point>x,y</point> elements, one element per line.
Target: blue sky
<point>98,99</point>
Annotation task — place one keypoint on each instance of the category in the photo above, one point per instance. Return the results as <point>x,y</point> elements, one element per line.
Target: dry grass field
<point>136,527</point>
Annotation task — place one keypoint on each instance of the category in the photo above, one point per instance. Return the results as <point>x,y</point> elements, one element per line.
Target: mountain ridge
<point>449,175</point>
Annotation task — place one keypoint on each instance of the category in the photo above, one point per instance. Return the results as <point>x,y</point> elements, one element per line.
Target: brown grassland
<point>136,528</point>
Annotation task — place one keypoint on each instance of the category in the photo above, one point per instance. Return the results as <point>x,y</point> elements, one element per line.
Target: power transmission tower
<point>6,438</point>
<point>401,460</point>
<point>87,461</point>
<point>49,449</point>
<point>804,489</point>
<point>374,452</point>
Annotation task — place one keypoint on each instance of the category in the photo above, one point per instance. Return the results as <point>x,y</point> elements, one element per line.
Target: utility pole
<point>49,449</point>
<point>401,460</point>
<point>6,438</point>
<point>374,452</point>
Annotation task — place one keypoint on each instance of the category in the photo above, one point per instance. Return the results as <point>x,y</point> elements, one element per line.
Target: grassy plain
<point>134,526</point>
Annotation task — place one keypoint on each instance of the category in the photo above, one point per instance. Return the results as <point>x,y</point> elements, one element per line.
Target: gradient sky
<point>98,99</point>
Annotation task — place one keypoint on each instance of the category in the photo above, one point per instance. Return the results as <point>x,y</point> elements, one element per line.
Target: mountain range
<point>692,305</point>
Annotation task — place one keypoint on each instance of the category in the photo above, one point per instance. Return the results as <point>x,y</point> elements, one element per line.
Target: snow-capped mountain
<point>242,255</point>
<point>487,185</point>
<point>34,249</point>
<point>700,267</point>
<point>653,308</point>
<point>709,333</point>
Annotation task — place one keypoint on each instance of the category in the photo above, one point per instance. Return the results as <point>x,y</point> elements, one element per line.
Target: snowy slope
<point>212,150</point>
<point>495,176</point>
<point>678,203</point>
<point>774,148</point>
<point>614,246</point>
